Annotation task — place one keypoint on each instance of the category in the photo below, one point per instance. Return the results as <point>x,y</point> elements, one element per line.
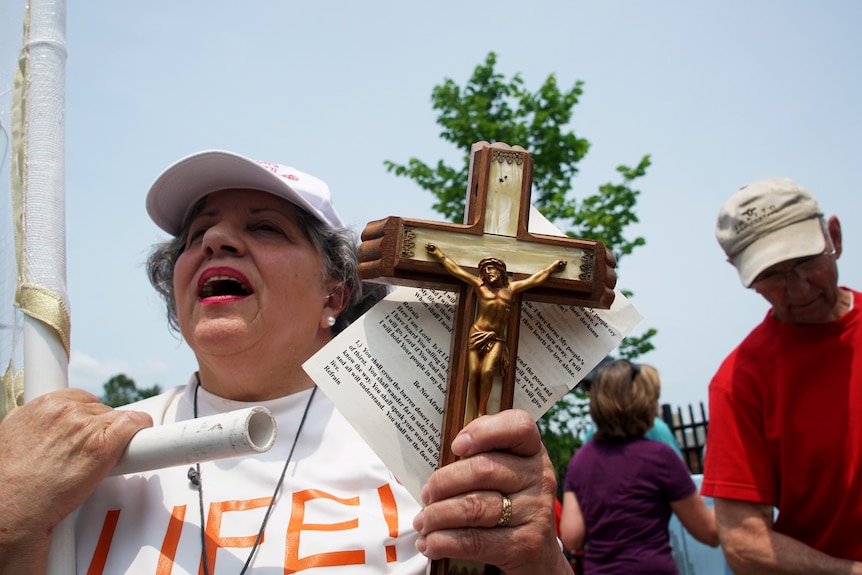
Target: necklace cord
<point>198,483</point>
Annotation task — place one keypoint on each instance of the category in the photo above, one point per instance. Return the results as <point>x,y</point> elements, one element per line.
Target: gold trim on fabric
<point>47,306</point>
<point>18,164</point>
<point>13,389</point>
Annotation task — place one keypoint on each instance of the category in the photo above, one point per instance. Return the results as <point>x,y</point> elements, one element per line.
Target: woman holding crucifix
<point>258,274</point>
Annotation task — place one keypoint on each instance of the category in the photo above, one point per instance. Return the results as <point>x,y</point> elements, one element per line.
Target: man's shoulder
<point>758,342</point>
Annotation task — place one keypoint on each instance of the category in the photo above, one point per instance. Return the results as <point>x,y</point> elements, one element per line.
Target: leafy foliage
<point>121,390</point>
<point>491,108</point>
<point>635,346</point>
<point>562,428</point>
<point>605,215</point>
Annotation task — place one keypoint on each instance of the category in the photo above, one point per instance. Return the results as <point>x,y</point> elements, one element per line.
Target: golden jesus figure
<point>488,349</point>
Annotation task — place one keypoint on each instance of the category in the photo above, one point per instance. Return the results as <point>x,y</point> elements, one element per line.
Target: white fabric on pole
<point>44,184</point>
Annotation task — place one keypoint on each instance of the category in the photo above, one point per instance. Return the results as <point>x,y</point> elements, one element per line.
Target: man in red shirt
<point>785,427</point>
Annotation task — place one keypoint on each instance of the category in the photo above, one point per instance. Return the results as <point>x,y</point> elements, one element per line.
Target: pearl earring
<point>330,320</point>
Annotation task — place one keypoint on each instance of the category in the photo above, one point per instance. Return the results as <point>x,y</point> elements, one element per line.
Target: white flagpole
<point>42,284</point>
<point>42,291</point>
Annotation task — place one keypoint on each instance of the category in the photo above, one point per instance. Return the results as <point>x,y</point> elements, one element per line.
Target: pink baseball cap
<point>177,189</point>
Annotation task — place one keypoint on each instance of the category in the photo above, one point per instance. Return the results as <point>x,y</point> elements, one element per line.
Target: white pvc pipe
<point>45,361</point>
<point>46,369</point>
<point>240,432</point>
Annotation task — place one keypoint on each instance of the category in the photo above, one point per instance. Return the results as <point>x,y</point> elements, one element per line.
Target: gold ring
<point>507,512</point>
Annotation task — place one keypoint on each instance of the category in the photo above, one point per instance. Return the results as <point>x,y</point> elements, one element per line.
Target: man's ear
<point>833,226</point>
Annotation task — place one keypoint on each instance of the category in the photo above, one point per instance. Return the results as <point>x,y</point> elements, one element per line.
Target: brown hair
<point>623,399</point>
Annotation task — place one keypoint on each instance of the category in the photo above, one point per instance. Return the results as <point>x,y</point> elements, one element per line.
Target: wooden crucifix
<point>494,239</point>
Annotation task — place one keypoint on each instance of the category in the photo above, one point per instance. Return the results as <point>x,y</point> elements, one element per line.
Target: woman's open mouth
<point>222,288</point>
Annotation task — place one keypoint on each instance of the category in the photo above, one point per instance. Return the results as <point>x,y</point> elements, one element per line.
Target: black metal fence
<point>690,434</point>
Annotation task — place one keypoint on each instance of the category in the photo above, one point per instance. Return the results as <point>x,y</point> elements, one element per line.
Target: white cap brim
<point>799,240</point>
<point>180,186</point>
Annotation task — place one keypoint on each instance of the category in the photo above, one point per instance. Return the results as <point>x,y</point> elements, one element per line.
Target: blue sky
<point>719,93</point>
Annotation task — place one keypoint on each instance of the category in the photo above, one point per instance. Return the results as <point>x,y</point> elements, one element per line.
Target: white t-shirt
<point>340,510</point>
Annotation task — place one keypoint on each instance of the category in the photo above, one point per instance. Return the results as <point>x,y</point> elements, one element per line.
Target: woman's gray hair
<point>336,246</point>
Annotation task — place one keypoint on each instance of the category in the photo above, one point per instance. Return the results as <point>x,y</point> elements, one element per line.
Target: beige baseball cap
<point>177,189</point>
<point>768,222</point>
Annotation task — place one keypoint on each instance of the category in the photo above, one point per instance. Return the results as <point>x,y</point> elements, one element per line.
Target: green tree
<point>121,390</point>
<point>495,109</point>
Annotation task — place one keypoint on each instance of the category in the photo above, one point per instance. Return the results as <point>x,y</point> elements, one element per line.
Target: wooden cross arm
<point>393,252</point>
<point>388,255</point>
